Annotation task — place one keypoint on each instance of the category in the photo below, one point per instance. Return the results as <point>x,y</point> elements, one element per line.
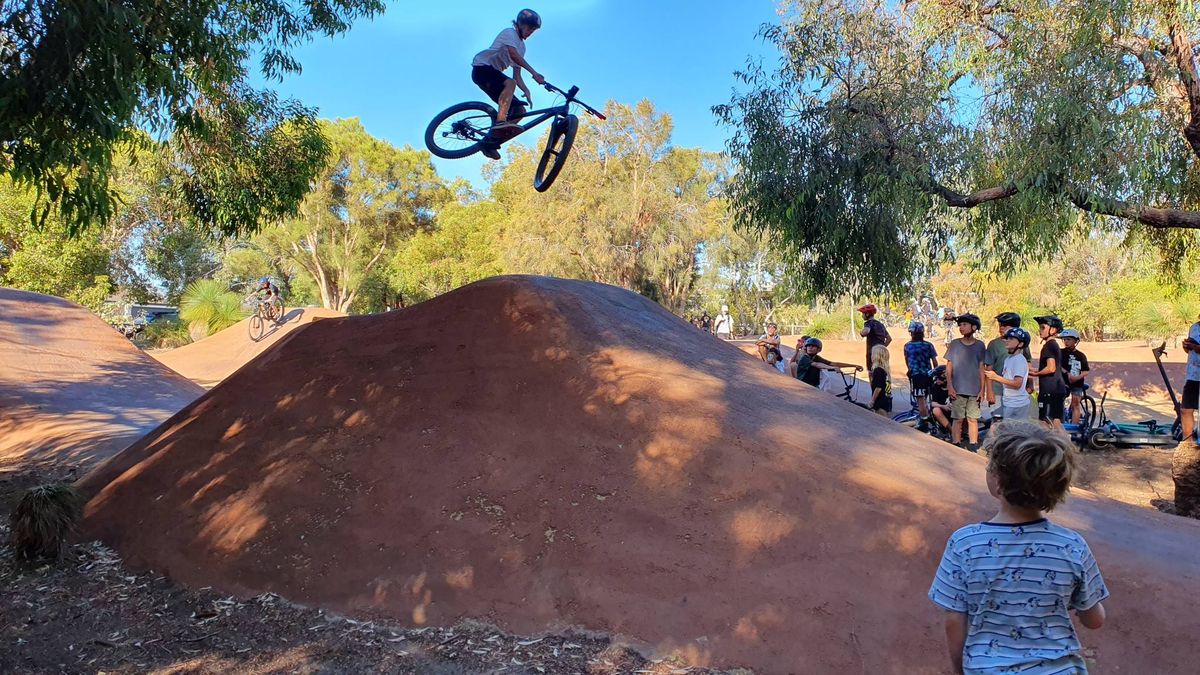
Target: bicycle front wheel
<point>256,327</point>
<point>558,146</point>
<point>459,131</point>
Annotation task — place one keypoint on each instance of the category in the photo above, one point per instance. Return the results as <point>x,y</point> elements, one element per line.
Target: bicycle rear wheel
<point>558,146</point>
<point>459,131</point>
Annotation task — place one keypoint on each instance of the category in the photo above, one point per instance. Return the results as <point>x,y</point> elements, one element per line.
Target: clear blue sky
<point>396,72</point>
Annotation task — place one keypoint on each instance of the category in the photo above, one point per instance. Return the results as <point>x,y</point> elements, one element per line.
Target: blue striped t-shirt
<point>1017,585</point>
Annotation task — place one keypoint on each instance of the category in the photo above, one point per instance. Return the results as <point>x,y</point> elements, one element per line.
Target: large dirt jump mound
<point>216,357</point>
<point>72,389</point>
<point>540,453</point>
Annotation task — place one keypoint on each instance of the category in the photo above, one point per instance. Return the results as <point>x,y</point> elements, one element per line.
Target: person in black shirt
<point>1074,370</point>
<point>939,397</point>
<point>1052,388</point>
<point>811,372</point>
<point>881,381</point>
<point>873,329</point>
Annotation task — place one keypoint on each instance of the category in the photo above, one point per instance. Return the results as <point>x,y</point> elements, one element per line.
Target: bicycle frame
<point>561,110</point>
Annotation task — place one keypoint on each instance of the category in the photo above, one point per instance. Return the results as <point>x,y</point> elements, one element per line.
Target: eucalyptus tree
<point>891,135</point>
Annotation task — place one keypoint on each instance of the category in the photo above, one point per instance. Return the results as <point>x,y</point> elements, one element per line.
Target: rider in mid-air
<point>487,71</point>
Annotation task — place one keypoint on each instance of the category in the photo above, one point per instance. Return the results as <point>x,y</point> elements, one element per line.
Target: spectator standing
<point>706,323</point>
<point>1075,371</point>
<point>920,357</point>
<point>964,372</point>
<point>723,326</point>
<point>997,354</point>
<point>1052,389</point>
<point>1013,376</point>
<point>874,330</point>
<point>1185,461</point>
<point>1009,584</point>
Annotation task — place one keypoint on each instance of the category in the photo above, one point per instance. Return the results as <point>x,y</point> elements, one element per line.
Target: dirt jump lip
<point>541,452</point>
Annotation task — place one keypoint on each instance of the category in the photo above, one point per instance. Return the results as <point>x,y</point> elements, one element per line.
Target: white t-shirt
<point>497,55</point>
<point>1015,366</point>
<point>1193,362</point>
<point>724,324</point>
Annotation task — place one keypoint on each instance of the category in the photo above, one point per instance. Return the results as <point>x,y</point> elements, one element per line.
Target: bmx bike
<point>465,129</point>
<point>264,311</point>
<point>848,394</point>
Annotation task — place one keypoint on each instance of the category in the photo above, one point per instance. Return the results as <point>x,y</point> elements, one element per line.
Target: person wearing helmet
<point>266,292</point>
<point>798,365</point>
<point>1074,370</point>
<point>997,354</point>
<point>1013,376</point>
<point>964,371</point>
<point>921,358</point>
<point>1052,389</point>
<point>723,325</point>
<point>946,314</point>
<point>873,329</point>
<point>812,375</point>
<point>487,72</point>
<point>939,397</point>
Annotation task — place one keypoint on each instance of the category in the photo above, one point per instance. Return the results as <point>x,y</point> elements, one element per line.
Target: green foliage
<point>826,326</point>
<point>368,199</point>
<point>165,334</point>
<point>43,520</point>
<point>857,154</point>
<point>461,249</point>
<point>79,78</point>
<point>628,209</point>
<point>208,306</point>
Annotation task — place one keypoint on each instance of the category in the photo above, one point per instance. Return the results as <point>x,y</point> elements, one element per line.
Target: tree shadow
<point>546,453</point>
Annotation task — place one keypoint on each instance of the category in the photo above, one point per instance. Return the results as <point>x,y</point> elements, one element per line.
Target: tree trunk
<point>1185,470</point>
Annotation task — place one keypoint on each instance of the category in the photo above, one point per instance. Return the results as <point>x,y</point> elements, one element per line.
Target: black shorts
<point>920,385</point>
<point>1050,407</point>
<point>1191,395</point>
<point>492,82</point>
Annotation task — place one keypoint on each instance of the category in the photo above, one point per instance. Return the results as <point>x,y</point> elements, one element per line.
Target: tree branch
<point>1181,50</point>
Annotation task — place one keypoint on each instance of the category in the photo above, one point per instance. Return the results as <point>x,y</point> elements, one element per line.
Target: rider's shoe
<point>923,425</point>
<point>502,131</point>
<point>490,152</point>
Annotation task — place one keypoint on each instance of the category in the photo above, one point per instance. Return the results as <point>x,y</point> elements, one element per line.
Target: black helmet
<point>812,342</point>
<point>528,17</point>
<point>938,372</point>
<point>969,318</point>
<point>1009,319</point>
<point>1050,320</point>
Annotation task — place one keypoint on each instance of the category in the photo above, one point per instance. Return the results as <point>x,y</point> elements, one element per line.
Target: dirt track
<point>73,391</point>
<point>216,357</point>
<point>542,452</point>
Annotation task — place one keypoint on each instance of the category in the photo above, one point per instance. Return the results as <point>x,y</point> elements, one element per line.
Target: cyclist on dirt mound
<point>487,71</point>
<point>267,292</point>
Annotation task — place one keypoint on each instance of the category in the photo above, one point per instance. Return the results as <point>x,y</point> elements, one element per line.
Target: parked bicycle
<point>465,129</point>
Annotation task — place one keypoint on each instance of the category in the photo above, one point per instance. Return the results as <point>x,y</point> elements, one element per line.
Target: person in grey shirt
<point>964,375</point>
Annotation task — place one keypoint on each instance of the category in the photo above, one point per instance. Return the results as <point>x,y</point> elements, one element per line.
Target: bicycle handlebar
<point>571,99</point>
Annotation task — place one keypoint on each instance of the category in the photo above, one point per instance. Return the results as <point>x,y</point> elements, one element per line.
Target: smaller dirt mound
<point>72,389</point>
<point>216,357</point>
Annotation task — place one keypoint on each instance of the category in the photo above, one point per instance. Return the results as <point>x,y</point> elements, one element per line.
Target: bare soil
<point>88,613</point>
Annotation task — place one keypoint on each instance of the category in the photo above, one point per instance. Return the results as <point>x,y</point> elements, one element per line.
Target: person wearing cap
<point>997,354</point>
<point>1052,388</point>
<point>964,372</point>
<point>1074,370</point>
<point>723,325</point>
<point>874,330</point>
<point>1013,375</point>
<point>768,345</point>
<point>921,358</point>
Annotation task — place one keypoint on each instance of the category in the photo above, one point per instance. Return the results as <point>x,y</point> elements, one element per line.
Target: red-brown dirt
<point>216,357</point>
<point>538,452</point>
<point>73,391</point>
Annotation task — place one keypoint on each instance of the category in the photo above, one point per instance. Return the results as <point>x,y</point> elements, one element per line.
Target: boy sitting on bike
<point>812,374</point>
<point>487,71</point>
<point>1075,371</point>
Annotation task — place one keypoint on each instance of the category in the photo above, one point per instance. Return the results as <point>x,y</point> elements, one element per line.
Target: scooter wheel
<point>1097,440</point>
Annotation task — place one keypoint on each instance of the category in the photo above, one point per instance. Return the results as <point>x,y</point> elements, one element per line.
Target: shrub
<point>210,305</point>
<point>43,520</point>
<point>826,326</point>
<point>164,334</point>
